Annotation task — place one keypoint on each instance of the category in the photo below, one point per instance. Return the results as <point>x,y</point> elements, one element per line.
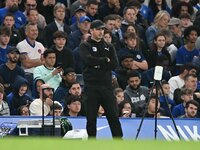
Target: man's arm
<point>29,63</point>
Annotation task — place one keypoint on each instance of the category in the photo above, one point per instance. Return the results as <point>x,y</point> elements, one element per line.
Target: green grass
<point>61,144</point>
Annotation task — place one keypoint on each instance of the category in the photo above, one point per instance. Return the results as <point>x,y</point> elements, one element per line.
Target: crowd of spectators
<point>40,59</point>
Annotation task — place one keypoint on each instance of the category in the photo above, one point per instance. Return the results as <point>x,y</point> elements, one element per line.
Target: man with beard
<point>12,7</point>
<point>135,93</point>
<point>186,52</point>
<point>191,108</point>
<point>10,70</point>
<point>99,59</point>
<point>46,95</point>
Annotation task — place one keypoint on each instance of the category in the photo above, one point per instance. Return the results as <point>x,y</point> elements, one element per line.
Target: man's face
<point>9,21</point>
<point>134,82</point>
<point>50,60</point>
<point>75,90</point>
<point>13,57</point>
<point>97,34</point>
<point>92,9</point>
<point>192,36</point>
<point>110,24</point>
<point>127,63</point>
<point>79,14</point>
<point>191,82</point>
<point>48,93</point>
<point>32,32</point>
<point>30,4</point>
<point>191,111</point>
<point>85,26</point>
<point>33,17</point>
<point>60,14</point>
<point>70,77</point>
<point>74,107</point>
<point>130,15</point>
<point>60,42</point>
<point>4,39</point>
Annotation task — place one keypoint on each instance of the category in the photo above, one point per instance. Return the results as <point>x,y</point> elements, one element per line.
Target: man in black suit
<point>57,24</point>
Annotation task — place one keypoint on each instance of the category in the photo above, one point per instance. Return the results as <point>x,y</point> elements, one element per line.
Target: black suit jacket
<point>49,31</point>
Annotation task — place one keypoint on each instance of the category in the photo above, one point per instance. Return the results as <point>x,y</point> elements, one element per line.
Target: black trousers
<point>94,97</point>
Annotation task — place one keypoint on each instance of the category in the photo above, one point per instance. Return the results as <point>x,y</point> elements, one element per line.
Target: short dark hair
<point>59,34</point>
<point>188,30</point>
<point>108,17</point>
<point>189,75</point>
<point>192,102</point>
<point>5,30</point>
<point>73,98</point>
<point>47,52</point>
<point>94,2</point>
<point>188,66</point>
<point>32,9</point>
<point>133,73</point>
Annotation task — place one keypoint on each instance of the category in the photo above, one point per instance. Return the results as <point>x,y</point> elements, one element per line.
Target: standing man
<point>99,59</point>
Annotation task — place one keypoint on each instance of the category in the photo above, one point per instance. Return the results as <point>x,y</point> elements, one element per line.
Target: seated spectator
<point>135,93</point>
<point>12,7</point>
<point>191,108</point>
<point>158,48</point>
<point>154,7</point>
<point>18,96</point>
<point>178,80</point>
<point>185,95</point>
<point>73,106</point>
<point>126,63</point>
<point>56,108</point>
<point>36,88</point>
<point>125,109</point>
<point>75,37</point>
<point>23,110</point>
<point>32,4</point>
<point>9,22</point>
<point>4,108</point>
<point>68,78</point>
<point>151,110</point>
<point>160,22</point>
<point>47,72</point>
<point>79,12</point>
<point>57,25</point>
<point>64,56</point>
<point>10,70</point>
<point>167,106</point>
<point>5,34</point>
<point>119,94</point>
<point>185,21</point>
<point>46,96</point>
<point>186,53</point>
<point>139,62</point>
<point>30,52</point>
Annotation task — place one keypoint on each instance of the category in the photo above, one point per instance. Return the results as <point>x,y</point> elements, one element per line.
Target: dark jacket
<point>96,68</point>
<point>14,99</point>
<point>64,57</point>
<point>49,31</point>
